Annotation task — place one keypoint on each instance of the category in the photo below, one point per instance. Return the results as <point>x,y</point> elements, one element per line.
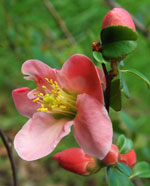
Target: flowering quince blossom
<point>118,16</point>
<point>112,157</point>
<point>75,160</point>
<point>72,95</point>
<point>128,158</point>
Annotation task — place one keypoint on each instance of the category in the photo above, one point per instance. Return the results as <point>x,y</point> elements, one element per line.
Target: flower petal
<point>79,74</point>
<point>92,127</point>
<point>24,105</point>
<point>38,71</point>
<point>40,135</point>
<point>101,76</point>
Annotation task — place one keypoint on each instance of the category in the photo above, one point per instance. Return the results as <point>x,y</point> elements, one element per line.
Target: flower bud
<point>75,160</point>
<point>128,158</point>
<point>118,16</point>
<point>112,157</point>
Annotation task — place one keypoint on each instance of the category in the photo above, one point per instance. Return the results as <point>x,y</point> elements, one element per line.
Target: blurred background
<point>52,31</point>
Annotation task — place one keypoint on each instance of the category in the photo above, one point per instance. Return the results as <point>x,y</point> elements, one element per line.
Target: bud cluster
<point>75,160</point>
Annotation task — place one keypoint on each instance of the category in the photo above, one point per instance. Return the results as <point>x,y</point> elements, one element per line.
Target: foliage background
<point>29,31</point>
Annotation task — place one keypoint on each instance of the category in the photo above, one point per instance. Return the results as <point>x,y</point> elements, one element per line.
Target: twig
<point>109,78</point>
<point>140,27</point>
<point>60,22</point>
<point>10,156</point>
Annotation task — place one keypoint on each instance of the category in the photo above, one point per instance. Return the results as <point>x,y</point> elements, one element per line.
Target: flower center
<point>56,100</point>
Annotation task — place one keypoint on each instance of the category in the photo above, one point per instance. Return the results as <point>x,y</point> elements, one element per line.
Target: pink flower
<point>75,160</point>
<point>112,157</point>
<point>72,95</point>
<point>128,158</point>
<point>118,16</point>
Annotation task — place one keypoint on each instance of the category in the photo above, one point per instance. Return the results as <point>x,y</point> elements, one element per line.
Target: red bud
<point>118,16</point>
<point>112,157</point>
<point>75,160</point>
<point>128,158</point>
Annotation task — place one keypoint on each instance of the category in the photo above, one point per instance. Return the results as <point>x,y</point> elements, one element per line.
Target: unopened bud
<point>112,157</point>
<point>118,16</point>
<point>128,158</point>
<point>75,160</point>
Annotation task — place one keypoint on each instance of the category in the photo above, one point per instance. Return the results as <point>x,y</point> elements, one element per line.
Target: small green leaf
<point>138,74</point>
<point>124,87</point>
<point>124,168</point>
<point>142,170</point>
<point>118,50</point>
<point>117,178</point>
<point>115,95</point>
<point>118,33</point>
<point>127,120</point>
<point>98,57</point>
<point>124,144</point>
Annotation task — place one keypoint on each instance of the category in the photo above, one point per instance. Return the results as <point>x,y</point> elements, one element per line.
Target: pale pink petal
<point>33,93</point>
<point>92,127</point>
<point>101,77</point>
<point>40,135</point>
<point>24,105</point>
<point>79,75</point>
<point>38,71</point>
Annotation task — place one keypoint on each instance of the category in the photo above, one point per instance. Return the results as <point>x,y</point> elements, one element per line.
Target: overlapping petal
<point>38,71</point>
<point>101,76</point>
<point>24,105</point>
<point>80,75</point>
<point>92,128</point>
<point>40,135</point>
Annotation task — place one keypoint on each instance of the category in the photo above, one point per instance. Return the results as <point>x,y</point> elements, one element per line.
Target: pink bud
<point>128,158</point>
<point>118,16</point>
<point>75,160</point>
<point>112,157</point>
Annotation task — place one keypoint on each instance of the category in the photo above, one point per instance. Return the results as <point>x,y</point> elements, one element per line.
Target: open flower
<point>72,95</point>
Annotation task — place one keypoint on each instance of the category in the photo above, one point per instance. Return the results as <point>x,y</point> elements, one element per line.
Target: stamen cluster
<point>55,100</point>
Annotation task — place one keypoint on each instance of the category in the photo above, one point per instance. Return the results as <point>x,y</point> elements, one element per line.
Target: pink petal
<point>92,127</point>
<point>101,76</point>
<point>40,135</point>
<point>24,105</point>
<point>79,74</point>
<point>38,71</point>
<point>118,16</point>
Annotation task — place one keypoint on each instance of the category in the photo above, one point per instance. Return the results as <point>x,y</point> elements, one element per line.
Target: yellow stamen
<point>44,87</point>
<point>55,100</point>
<point>36,99</point>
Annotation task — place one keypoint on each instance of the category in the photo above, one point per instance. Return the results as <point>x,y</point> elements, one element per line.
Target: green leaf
<point>118,50</point>
<point>138,74</point>
<point>127,120</point>
<point>124,85</point>
<point>117,178</point>
<point>124,168</point>
<point>124,144</point>
<point>118,33</point>
<point>98,57</point>
<point>115,95</point>
<point>142,170</point>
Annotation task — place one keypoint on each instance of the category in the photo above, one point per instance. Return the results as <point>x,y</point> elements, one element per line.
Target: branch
<point>109,78</point>
<point>10,156</point>
<point>60,22</point>
<point>140,27</point>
